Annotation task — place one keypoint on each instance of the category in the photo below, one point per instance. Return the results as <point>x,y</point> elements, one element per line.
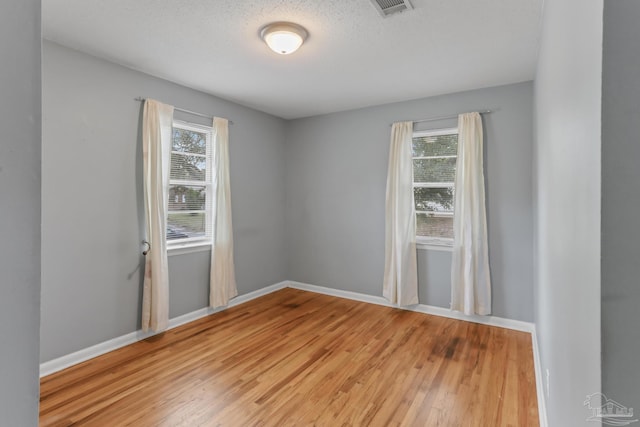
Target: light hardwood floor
<point>300,358</point>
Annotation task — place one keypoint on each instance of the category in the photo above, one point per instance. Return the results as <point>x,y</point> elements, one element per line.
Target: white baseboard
<point>542,405</point>
<point>501,322</point>
<point>60,363</point>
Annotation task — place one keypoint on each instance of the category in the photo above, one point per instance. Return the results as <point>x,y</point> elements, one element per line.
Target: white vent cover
<point>387,7</point>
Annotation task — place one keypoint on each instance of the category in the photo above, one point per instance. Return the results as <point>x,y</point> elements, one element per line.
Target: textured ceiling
<point>353,57</point>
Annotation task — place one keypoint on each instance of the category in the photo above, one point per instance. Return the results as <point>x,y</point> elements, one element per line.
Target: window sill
<point>435,245</point>
<point>188,248</point>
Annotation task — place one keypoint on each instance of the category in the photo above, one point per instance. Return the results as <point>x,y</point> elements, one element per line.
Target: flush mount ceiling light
<point>283,37</point>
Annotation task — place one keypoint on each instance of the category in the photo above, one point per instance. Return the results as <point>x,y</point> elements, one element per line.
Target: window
<point>190,185</point>
<point>434,174</point>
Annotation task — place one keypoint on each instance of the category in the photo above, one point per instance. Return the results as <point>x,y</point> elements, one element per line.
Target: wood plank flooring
<point>296,358</point>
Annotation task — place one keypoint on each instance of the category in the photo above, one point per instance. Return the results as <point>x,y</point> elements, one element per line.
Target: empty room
<point>295,212</point>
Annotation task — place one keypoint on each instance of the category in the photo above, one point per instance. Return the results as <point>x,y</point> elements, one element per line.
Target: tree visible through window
<point>434,173</point>
<point>190,184</point>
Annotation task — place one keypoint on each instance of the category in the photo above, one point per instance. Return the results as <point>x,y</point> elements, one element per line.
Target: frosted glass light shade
<point>283,37</point>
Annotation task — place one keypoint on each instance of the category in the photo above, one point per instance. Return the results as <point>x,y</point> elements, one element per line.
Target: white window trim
<point>434,243</point>
<point>196,244</point>
<point>181,247</point>
<point>435,132</point>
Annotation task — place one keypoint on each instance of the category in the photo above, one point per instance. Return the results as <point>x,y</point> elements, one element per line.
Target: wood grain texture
<point>296,358</point>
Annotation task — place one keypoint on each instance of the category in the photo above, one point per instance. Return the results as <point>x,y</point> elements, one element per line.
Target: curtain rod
<point>450,116</point>
<point>195,113</point>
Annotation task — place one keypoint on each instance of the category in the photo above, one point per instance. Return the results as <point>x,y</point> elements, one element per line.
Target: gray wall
<point>92,200</point>
<point>567,204</point>
<point>20,211</point>
<point>335,189</point>
<point>620,200</point>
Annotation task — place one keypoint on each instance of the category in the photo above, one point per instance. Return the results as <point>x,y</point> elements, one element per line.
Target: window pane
<point>191,168</point>
<point>183,225</point>
<point>432,226</point>
<point>433,199</point>
<point>188,141</point>
<point>440,145</point>
<point>434,170</point>
<point>186,198</point>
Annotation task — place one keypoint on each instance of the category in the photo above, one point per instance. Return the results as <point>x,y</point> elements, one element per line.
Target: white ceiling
<point>353,57</point>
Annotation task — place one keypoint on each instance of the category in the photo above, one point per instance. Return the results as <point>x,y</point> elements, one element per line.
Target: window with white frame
<point>434,174</point>
<point>190,185</point>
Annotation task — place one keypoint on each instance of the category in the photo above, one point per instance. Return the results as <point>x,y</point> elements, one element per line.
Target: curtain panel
<point>400,285</point>
<point>470,278</point>
<point>157,122</point>
<point>222,286</point>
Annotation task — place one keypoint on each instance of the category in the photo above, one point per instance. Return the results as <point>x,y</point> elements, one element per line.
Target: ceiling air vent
<point>388,7</point>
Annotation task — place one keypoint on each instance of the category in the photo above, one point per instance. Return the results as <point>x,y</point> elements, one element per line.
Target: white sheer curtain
<point>156,151</point>
<point>470,282</point>
<point>400,267</point>
<point>222,286</point>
